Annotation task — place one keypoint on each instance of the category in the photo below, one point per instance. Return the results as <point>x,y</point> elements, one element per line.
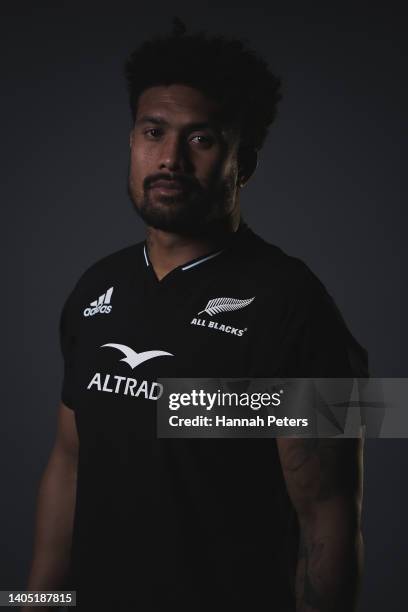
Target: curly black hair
<point>227,70</point>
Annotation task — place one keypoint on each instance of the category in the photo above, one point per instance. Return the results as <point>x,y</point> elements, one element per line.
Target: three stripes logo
<point>101,305</point>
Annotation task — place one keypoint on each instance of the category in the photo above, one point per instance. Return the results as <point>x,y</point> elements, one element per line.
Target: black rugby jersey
<point>177,524</point>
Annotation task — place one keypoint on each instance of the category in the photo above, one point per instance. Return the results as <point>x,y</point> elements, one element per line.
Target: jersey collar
<point>195,263</point>
<point>188,266</point>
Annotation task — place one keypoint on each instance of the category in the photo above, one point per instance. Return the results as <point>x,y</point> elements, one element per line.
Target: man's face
<point>183,161</point>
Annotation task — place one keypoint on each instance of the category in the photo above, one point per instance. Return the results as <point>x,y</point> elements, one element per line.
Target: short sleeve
<point>67,342</point>
<point>325,347</point>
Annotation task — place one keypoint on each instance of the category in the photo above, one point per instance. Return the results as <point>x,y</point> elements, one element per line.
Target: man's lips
<point>168,185</point>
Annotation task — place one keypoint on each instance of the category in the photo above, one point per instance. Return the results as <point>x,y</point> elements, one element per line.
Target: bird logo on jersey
<point>134,359</point>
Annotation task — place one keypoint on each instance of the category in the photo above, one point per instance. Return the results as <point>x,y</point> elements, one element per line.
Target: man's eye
<point>153,132</point>
<point>204,140</point>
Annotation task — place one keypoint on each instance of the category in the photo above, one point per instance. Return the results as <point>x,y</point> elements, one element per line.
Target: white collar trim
<point>145,255</point>
<point>188,266</point>
<point>196,263</point>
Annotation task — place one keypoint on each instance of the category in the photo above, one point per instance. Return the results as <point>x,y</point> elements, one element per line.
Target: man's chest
<point>171,331</point>
<point>133,334</point>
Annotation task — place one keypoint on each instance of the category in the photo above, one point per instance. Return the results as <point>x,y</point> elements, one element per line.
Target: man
<point>134,522</point>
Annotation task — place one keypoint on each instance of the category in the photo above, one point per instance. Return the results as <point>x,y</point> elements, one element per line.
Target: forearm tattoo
<point>319,472</point>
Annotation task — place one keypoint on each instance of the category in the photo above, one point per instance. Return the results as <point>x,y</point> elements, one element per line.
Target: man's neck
<point>169,250</point>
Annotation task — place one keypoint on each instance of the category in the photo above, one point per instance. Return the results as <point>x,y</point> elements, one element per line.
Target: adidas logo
<point>102,304</point>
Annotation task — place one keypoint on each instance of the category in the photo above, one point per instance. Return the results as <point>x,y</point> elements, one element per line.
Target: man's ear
<point>247,163</point>
<point>130,138</point>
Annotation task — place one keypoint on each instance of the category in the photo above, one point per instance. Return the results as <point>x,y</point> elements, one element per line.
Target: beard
<point>194,211</point>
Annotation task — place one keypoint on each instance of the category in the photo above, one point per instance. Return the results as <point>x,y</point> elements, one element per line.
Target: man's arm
<point>55,509</point>
<point>324,479</point>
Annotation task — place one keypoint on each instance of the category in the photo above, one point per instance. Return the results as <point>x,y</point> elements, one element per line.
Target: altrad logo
<point>110,383</point>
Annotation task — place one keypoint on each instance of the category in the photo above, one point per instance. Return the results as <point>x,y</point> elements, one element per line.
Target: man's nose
<point>172,153</point>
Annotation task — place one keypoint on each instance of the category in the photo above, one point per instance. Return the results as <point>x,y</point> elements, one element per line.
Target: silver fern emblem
<point>224,304</point>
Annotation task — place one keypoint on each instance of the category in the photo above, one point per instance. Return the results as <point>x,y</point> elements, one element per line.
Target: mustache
<point>184,181</point>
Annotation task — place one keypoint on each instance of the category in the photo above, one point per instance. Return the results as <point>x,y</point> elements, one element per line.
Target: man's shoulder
<point>309,306</point>
<point>114,264</point>
<point>272,264</point>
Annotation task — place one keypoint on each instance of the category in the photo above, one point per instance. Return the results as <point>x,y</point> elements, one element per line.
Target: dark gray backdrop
<point>329,188</point>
